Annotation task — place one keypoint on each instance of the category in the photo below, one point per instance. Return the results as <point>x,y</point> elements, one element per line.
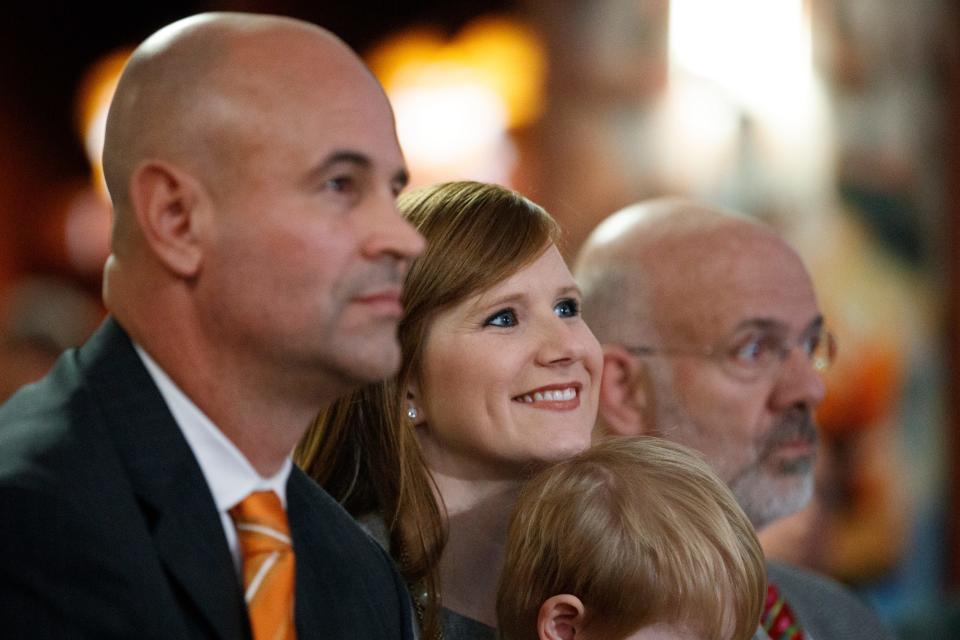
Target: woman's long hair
<point>362,448</point>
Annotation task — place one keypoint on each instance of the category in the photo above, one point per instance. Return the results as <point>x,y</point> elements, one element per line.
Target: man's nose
<point>798,382</point>
<point>391,234</point>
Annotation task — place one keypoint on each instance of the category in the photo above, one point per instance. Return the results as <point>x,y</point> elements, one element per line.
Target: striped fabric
<point>268,565</point>
<point>778,619</point>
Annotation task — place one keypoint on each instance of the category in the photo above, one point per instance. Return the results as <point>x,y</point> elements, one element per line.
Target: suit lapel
<point>178,507</point>
<point>299,514</point>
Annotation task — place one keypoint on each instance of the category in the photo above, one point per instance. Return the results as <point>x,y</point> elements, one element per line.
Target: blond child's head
<point>635,538</point>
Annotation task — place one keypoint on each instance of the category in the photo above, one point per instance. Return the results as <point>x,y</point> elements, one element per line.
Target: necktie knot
<point>261,524</point>
<point>268,564</point>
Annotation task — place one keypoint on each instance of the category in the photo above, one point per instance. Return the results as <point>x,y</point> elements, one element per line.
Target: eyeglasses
<point>757,352</point>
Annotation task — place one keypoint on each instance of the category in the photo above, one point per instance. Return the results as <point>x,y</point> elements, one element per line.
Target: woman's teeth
<point>550,396</point>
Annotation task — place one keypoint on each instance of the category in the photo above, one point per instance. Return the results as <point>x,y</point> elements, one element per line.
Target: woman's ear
<point>623,392</point>
<point>414,408</point>
<point>561,618</point>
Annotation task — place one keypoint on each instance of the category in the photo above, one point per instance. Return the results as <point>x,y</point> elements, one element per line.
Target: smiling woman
<point>499,377</point>
<point>502,376</point>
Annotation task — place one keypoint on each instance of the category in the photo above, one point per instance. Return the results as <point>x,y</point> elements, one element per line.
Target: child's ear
<point>561,618</point>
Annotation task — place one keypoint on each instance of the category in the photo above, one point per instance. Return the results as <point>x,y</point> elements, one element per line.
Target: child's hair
<point>642,532</point>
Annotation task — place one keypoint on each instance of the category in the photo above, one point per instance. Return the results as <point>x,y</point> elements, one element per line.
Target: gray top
<point>376,528</point>
<point>453,625</point>
<point>825,609</point>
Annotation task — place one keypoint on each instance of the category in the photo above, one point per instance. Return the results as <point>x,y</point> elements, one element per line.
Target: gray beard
<point>764,501</point>
<point>768,490</point>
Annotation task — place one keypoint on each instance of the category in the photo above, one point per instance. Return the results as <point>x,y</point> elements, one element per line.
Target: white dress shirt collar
<point>229,475</point>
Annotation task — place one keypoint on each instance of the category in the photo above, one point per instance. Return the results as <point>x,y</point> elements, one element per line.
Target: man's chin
<point>766,498</point>
<point>371,362</point>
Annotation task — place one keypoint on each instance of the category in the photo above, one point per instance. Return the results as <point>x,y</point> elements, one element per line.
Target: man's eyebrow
<point>767,325</point>
<point>770,325</point>
<point>349,157</point>
<point>354,158</point>
<point>400,178</point>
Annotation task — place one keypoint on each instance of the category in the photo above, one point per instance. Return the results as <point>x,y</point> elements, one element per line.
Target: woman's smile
<point>558,397</point>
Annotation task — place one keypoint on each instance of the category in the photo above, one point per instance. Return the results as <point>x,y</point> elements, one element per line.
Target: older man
<point>145,484</point>
<point>713,338</point>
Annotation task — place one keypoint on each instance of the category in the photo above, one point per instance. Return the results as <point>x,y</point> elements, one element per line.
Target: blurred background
<point>838,121</point>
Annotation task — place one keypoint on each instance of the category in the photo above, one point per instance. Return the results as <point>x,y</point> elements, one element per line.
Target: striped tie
<point>778,619</point>
<point>268,565</point>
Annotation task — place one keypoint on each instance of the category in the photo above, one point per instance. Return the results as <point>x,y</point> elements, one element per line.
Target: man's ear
<point>168,203</point>
<point>561,618</point>
<point>623,392</point>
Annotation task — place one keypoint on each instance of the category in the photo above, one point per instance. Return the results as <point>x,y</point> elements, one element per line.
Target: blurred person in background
<point>40,317</point>
<point>713,338</point>
<point>499,377</point>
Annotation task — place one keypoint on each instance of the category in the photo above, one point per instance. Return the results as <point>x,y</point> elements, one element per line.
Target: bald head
<point>642,259</point>
<point>203,93</point>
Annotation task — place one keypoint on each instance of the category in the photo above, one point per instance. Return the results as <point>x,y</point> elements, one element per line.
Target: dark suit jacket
<point>825,609</point>
<point>108,529</point>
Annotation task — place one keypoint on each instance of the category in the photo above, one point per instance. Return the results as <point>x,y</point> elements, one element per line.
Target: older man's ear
<point>623,393</point>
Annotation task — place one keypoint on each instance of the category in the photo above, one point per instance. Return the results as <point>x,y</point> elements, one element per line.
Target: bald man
<point>713,338</point>
<point>146,485</point>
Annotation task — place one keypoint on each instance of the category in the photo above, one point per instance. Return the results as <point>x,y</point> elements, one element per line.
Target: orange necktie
<point>268,565</point>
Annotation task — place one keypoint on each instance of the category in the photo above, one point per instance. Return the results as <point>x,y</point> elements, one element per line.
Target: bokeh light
<point>93,102</point>
<point>456,100</point>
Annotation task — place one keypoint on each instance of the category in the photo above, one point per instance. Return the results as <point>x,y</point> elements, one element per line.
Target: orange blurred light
<point>456,100</point>
<point>498,53</point>
<point>92,102</point>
